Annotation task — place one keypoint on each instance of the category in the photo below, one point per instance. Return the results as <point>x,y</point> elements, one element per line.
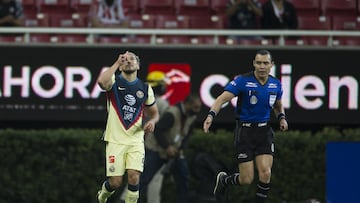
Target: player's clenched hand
<point>207,124</point>
<point>149,126</point>
<point>283,125</point>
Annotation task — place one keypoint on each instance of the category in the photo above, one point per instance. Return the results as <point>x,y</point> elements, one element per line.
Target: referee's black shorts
<point>252,139</point>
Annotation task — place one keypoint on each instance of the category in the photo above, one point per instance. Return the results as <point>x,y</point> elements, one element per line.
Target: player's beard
<point>129,72</point>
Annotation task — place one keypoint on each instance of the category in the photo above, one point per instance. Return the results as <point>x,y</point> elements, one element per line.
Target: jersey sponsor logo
<point>111,159</point>
<point>250,84</point>
<point>272,85</point>
<point>130,99</point>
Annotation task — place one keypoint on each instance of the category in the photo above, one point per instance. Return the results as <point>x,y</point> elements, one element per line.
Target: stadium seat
<point>131,7</point>
<point>263,42</point>
<point>307,7</point>
<point>172,22</point>
<point>157,7</point>
<point>295,42</point>
<point>11,39</point>
<point>67,20</point>
<point>29,7</point>
<point>173,40</point>
<point>141,21</point>
<point>345,23</point>
<point>316,40</point>
<point>314,23</point>
<point>207,40</point>
<point>37,20</point>
<point>54,6</point>
<point>80,6</point>
<point>193,7</point>
<point>108,39</point>
<point>338,7</point>
<point>141,39</point>
<point>346,41</point>
<point>206,22</point>
<point>72,38</point>
<point>42,38</point>
<point>219,6</point>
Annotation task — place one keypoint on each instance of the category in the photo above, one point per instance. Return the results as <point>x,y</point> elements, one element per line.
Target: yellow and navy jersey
<point>255,101</point>
<point>125,105</point>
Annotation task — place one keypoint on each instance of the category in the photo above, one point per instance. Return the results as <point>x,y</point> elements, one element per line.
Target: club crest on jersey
<point>140,94</point>
<point>253,99</point>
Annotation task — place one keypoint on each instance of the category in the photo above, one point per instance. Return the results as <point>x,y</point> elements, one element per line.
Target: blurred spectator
<point>107,13</point>
<point>167,144</point>
<point>11,13</point>
<point>244,14</point>
<point>279,14</point>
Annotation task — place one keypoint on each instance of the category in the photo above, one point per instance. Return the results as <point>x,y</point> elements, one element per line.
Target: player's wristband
<point>212,113</point>
<point>281,116</point>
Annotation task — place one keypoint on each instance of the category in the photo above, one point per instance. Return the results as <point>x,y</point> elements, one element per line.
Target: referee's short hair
<point>264,52</point>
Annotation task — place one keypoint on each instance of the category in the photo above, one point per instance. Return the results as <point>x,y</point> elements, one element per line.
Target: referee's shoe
<point>220,187</point>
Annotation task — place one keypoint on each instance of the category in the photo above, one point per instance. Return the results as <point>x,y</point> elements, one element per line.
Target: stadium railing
<point>91,33</point>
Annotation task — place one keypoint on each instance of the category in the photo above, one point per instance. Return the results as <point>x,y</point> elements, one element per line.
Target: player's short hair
<point>264,52</point>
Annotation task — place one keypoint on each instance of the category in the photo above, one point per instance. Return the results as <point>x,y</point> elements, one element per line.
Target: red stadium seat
<point>131,7</point>
<point>172,22</point>
<point>42,38</point>
<point>54,6</point>
<point>338,7</point>
<point>264,42</point>
<point>173,40</point>
<point>108,39</point>
<point>141,21</point>
<point>81,6</point>
<point>157,7</point>
<point>11,39</point>
<point>314,23</point>
<point>141,39</point>
<point>346,41</point>
<point>29,7</point>
<point>72,38</point>
<point>345,23</point>
<point>37,20</point>
<point>307,7</point>
<point>219,6</point>
<point>295,42</point>
<point>206,22</point>
<point>316,40</point>
<point>67,20</point>
<point>193,7</point>
<point>208,40</point>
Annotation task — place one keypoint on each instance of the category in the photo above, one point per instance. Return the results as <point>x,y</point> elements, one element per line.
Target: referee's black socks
<point>262,192</point>
<point>232,179</point>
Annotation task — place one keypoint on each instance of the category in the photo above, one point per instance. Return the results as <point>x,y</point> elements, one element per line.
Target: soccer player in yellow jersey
<point>128,100</point>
